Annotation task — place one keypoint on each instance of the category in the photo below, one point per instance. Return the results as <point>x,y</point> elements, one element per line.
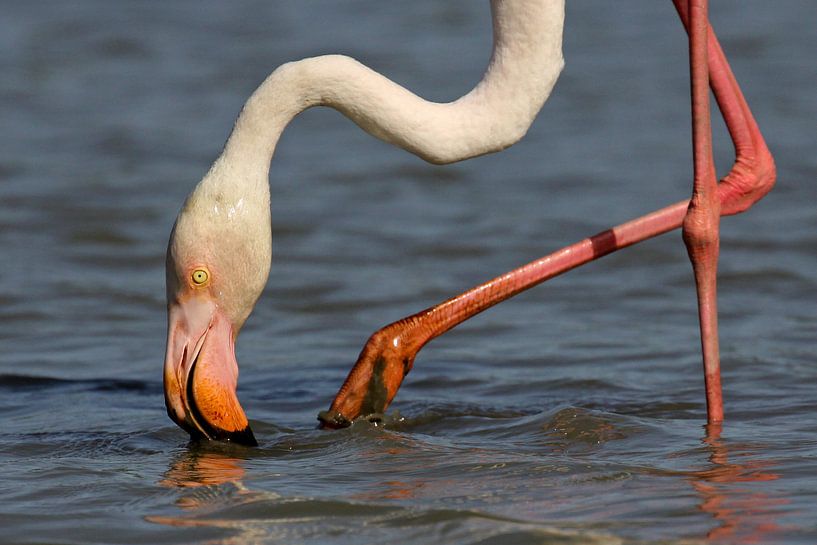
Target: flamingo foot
<point>373,382</point>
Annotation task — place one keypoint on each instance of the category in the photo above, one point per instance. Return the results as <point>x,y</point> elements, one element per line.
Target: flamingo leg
<point>389,353</point>
<point>701,226</point>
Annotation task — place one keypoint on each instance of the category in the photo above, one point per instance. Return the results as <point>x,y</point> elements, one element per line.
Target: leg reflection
<point>730,493</point>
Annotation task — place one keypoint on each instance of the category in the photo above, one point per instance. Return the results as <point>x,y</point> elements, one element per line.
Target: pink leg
<point>390,352</point>
<point>751,177</point>
<point>702,222</point>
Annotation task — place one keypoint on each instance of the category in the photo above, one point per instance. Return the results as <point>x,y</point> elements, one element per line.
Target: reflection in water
<point>197,468</point>
<point>213,495</point>
<point>394,490</point>
<point>744,515</point>
<point>382,457</point>
<point>214,481</point>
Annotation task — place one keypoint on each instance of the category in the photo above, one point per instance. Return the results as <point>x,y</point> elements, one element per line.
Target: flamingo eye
<point>200,277</point>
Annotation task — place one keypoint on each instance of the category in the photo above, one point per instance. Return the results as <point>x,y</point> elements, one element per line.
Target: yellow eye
<point>200,277</point>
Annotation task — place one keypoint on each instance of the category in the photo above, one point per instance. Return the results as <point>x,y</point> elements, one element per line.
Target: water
<point>572,414</point>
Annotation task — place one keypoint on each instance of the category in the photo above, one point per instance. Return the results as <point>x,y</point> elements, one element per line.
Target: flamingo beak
<point>201,373</point>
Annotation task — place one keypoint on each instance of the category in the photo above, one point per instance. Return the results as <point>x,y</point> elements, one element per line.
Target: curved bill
<point>201,373</point>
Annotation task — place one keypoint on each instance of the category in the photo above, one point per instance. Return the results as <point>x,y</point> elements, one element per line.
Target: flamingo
<point>219,253</point>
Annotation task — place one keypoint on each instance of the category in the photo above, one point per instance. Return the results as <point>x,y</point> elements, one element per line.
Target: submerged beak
<point>201,373</point>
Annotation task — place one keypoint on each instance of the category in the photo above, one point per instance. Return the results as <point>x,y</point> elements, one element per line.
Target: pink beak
<point>201,373</point>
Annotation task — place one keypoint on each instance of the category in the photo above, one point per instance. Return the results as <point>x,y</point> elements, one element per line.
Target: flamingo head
<point>218,261</point>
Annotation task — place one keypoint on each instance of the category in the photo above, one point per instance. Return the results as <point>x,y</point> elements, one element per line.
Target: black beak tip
<point>242,437</point>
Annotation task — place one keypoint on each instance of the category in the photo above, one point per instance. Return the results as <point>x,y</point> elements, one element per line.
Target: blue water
<point>571,414</point>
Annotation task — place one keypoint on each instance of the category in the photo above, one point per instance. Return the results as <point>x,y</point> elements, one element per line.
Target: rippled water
<point>572,414</point>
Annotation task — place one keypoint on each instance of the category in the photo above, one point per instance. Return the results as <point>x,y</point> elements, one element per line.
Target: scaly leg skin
<point>701,227</point>
<point>390,352</point>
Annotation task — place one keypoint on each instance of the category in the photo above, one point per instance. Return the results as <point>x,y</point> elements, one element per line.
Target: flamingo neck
<point>233,198</point>
<point>525,63</point>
